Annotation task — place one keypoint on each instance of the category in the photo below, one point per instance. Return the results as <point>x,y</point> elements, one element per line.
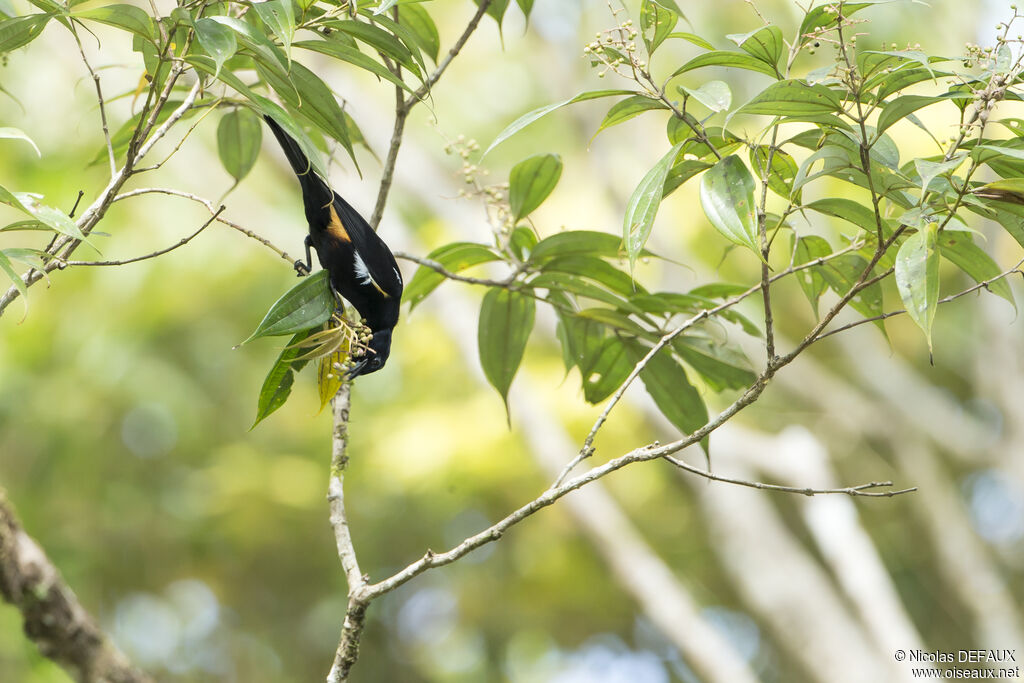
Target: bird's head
<point>376,356</point>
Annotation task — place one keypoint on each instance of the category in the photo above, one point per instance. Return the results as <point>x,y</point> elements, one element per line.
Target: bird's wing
<point>375,264</point>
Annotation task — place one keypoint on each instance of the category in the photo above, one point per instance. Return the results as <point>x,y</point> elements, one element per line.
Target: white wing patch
<point>398,275</point>
<point>363,273</point>
<point>361,270</point>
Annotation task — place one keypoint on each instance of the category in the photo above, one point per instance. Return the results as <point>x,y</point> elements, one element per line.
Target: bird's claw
<point>301,269</point>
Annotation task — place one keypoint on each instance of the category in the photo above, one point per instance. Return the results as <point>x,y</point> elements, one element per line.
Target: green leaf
<point>594,269</point>
<point>842,273</point>
<point>890,83</point>
<point>577,286</point>
<point>740,60</point>
<point>928,170</point>
<point>506,319</point>
<point>824,16</point>
<point>328,378</point>
<point>808,249</point>
<point>279,17</point>
<point>531,181</point>
<point>127,17</point>
<point>672,5</point>
<point>8,268</point>
<point>454,258</point>
<point>417,20</point>
<point>848,210</point>
<point>782,172</point>
<point>529,117</point>
<point>496,10</point>
<point>912,56</point>
<point>239,135</point>
<point>262,48</point>
<point>668,385</point>
<point>642,207</point>
<point>16,134</point>
<point>656,23</point>
<point>581,338</point>
<point>20,31</point>
<point>681,172</point>
<point>52,218</point>
<point>306,93</point>
<point>217,40</point>
<point>720,366</point>
<point>917,277</point>
<point>380,40</point>
<point>793,98</point>
<point>614,319</point>
<point>268,107</point>
<point>959,250</point>
<point>626,109</point>
<point>33,258</point>
<point>278,384</point>
<point>692,38</point>
<point>522,241</point>
<point>900,107</point>
<point>307,305</point>
<point>765,43</point>
<point>577,242</point>
<point>338,50</point>
<point>526,6</point>
<point>715,95</point>
<point>727,196</point>
<point>605,370</point>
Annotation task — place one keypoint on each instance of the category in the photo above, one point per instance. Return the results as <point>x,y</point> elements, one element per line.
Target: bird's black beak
<point>357,369</point>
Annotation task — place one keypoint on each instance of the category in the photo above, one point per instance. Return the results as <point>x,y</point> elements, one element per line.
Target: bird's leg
<point>307,267</point>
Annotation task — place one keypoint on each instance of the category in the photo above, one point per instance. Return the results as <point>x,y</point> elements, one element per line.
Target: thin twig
<point>863,490</point>
<point>945,300</point>
<point>63,247</point>
<point>588,444</point>
<point>182,242</point>
<point>210,207</point>
<point>103,107</point>
<point>587,450</point>
<point>456,48</point>
<point>441,270</point>
<point>404,106</point>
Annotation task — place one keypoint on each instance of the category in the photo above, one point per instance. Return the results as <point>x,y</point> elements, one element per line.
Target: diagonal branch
<point>53,617</point>
<point>102,103</point>
<point>65,246</point>
<point>180,243</point>
<point>404,106</point>
<point>864,490</point>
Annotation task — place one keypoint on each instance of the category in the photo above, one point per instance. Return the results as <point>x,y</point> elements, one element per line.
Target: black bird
<point>361,267</point>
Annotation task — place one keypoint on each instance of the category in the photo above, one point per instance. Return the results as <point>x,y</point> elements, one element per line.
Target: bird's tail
<point>313,186</point>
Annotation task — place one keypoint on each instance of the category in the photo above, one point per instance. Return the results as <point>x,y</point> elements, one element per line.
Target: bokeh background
<point>204,548</point>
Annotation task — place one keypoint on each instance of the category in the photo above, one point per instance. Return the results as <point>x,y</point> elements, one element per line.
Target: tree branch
<point>180,243</point>
<point>864,490</point>
<point>65,246</point>
<point>103,107</point>
<point>210,207</point>
<point>945,300</point>
<point>403,107</point>
<point>53,617</point>
<point>440,269</point>
<point>348,647</point>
